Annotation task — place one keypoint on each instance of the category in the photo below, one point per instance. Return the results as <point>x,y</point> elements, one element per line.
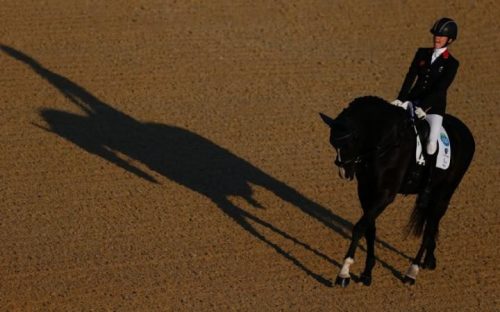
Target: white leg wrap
<point>435,122</point>
<point>412,271</point>
<point>344,272</point>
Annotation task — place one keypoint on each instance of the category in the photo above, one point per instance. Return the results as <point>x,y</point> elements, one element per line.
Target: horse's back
<point>462,142</point>
<point>461,134</point>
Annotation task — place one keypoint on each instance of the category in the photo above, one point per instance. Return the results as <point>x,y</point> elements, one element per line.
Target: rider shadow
<point>181,156</point>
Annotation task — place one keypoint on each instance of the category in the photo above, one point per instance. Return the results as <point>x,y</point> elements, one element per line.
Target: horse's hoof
<point>342,281</point>
<point>365,279</point>
<point>408,280</point>
<point>429,264</point>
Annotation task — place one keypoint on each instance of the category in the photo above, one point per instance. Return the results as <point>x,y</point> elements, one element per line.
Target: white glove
<point>396,102</point>
<point>403,105</point>
<point>420,113</point>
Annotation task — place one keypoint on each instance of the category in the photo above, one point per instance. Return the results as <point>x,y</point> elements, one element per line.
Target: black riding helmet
<point>445,27</point>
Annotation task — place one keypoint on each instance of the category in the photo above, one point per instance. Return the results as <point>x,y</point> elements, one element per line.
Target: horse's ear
<point>328,120</point>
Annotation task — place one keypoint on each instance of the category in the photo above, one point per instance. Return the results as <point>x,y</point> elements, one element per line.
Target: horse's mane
<point>368,99</point>
<point>375,108</point>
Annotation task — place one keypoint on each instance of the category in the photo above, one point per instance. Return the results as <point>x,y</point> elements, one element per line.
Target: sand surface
<point>168,155</point>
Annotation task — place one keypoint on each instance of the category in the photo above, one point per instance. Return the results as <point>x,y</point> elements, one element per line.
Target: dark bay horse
<point>375,142</point>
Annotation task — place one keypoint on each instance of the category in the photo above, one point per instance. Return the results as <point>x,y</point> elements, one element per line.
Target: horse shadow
<point>183,157</point>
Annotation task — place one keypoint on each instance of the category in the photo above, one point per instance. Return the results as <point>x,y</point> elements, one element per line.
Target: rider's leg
<point>435,122</point>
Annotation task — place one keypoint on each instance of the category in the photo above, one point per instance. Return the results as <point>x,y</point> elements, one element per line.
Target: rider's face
<point>440,41</point>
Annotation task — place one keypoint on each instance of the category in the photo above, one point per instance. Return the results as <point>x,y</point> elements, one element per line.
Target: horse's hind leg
<point>436,212</point>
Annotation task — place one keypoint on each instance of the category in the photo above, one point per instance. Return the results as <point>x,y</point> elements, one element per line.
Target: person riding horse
<point>434,70</point>
<point>374,141</point>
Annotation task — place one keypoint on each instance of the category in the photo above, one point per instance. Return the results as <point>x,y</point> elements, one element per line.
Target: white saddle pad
<point>444,151</point>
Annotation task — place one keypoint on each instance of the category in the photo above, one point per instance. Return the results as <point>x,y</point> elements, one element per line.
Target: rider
<point>434,70</point>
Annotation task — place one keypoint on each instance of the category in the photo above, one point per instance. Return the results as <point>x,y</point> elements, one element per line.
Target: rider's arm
<point>409,79</point>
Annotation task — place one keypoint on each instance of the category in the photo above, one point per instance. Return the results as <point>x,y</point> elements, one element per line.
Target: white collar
<point>437,53</point>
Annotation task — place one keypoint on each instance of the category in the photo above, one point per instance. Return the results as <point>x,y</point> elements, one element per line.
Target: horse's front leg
<point>372,207</point>
<point>365,226</point>
<point>366,276</point>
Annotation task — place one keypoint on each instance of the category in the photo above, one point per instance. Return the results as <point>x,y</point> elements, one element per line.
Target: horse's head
<point>344,139</point>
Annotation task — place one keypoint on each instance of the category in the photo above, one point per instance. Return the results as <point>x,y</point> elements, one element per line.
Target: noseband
<point>342,163</point>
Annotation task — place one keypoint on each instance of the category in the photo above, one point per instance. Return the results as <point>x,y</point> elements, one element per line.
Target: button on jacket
<point>432,80</point>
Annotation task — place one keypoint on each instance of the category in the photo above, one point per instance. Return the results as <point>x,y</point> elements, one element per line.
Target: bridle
<point>374,153</point>
<point>377,152</point>
<point>342,163</point>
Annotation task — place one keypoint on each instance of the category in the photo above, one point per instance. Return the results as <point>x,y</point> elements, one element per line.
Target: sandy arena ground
<point>169,155</point>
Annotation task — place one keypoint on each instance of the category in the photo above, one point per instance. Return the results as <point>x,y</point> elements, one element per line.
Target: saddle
<point>441,159</point>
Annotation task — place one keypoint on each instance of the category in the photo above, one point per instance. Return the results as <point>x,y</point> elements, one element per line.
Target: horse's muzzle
<point>346,173</point>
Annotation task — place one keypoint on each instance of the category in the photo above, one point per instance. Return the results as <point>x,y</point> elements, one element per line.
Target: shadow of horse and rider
<point>183,157</point>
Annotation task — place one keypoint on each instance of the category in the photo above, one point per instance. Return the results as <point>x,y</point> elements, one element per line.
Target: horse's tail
<point>419,215</point>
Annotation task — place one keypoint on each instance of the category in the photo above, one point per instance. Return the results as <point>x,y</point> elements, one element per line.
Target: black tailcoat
<point>432,80</point>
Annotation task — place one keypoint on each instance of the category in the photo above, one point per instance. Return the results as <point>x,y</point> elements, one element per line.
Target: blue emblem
<point>445,140</point>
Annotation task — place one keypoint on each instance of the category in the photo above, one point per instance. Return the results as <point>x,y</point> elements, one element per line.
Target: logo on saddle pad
<point>444,139</point>
<point>444,150</point>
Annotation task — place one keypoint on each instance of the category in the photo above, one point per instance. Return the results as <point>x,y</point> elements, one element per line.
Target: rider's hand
<point>420,113</point>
